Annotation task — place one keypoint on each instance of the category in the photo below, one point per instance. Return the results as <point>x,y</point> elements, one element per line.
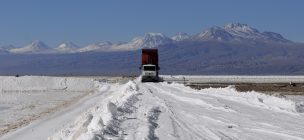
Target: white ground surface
<point>170,111</point>
<point>233,79</point>
<point>27,98</point>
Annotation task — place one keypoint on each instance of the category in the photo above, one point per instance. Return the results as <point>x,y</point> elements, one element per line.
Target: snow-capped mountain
<point>102,46</point>
<point>239,32</point>
<point>149,40</point>
<point>214,33</point>
<point>180,36</point>
<point>242,30</point>
<point>67,47</point>
<point>34,47</point>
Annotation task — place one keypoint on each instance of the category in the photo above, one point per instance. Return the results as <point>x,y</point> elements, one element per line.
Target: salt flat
<point>136,110</point>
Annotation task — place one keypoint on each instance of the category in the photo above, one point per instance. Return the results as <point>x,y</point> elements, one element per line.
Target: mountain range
<point>230,32</point>
<point>235,48</point>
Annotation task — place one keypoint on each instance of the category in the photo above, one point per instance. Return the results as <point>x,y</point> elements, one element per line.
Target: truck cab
<point>149,72</point>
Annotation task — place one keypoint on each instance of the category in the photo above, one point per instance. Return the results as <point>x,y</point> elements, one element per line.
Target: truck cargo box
<point>149,56</point>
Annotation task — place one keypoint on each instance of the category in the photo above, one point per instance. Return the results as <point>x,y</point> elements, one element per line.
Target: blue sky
<point>90,21</point>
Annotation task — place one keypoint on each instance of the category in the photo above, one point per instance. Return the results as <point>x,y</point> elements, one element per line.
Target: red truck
<point>149,65</point>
